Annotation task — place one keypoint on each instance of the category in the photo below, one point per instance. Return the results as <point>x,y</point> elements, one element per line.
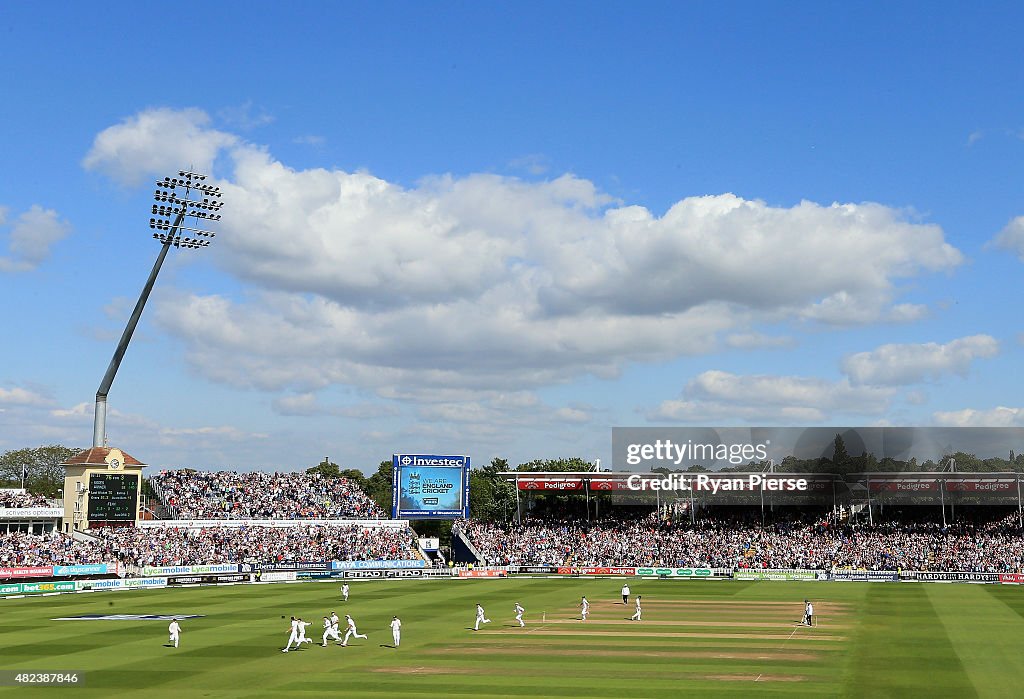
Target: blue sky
<point>501,229</point>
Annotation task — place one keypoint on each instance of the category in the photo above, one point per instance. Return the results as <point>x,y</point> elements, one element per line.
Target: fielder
<point>174,629</point>
<point>480,617</point>
<point>585,607</point>
<point>636,616</point>
<point>519,614</point>
<point>330,629</point>
<point>344,592</point>
<point>396,630</point>
<point>293,637</point>
<point>625,593</point>
<point>351,631</point>
<point>334,620</point>
<point>808,613</point>
<point>302,631</point>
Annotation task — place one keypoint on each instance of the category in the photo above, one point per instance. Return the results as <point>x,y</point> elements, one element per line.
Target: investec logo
<point>409,460</point>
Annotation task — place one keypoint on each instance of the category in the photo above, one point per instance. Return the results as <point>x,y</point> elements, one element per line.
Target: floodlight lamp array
<point>171,209</point>
<point>187,184</point>
<point>180,242</point>
<point>206,204</point>
<point>162,224</point>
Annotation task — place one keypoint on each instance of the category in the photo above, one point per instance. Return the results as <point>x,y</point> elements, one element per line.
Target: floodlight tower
<point>176,199</point>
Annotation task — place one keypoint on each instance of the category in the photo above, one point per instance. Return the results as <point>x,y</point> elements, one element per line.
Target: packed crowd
<point>24,549</point>
<point>173,547</point>
<point>822,544</point>
<point>229,495</point>
<point>177,547</point>
<point>17,500</point>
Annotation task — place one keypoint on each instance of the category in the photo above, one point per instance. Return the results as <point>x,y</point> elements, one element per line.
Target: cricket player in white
<point>330,629</point>
<point>585,607</point>
<point>808,612</point>
<point>302,631</point>
<point>636,616</point>
<point>519,614</point>
<point>344,592</point>
<point>480,617</point>
<point>625,593</point>
<point>396,630</point>
<point>351,631</point>
<point>174,629</point>
<point>334,621</point>
<point>293,637</point>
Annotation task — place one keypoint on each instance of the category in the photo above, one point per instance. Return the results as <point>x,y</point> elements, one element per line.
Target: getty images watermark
<point>680,449</point>
<point>713,483</point>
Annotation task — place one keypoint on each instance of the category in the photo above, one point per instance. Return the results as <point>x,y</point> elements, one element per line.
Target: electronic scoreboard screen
<point>113,497</point>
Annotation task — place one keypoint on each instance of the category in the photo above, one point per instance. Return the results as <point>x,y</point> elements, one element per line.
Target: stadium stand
<point>189,494</point>
<point>17,500</point>
<point>24,549</point>
<point>174,547</point>
<point>995,544</point>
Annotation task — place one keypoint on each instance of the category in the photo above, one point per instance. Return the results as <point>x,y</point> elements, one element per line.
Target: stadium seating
<point>18,500</point>
<point>191,494</point>
<point>995,546</point>
<point>172,546</point>
<point>24,549</point>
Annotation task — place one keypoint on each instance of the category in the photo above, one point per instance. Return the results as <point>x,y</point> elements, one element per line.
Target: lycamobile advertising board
<point>190,570</point>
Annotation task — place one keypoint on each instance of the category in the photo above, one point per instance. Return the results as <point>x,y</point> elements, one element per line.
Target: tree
<point>45,473</point>
<point>378,486</point>
<point>497,466</point>
<point>840,459</point>
<point>329,469</point>
<point>326,468</point>
<point>571,464</point>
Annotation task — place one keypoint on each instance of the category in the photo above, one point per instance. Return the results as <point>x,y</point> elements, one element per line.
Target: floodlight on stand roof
<point>178,198</point>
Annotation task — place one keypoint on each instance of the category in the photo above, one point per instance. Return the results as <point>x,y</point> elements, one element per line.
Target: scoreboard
<point>113,497</point>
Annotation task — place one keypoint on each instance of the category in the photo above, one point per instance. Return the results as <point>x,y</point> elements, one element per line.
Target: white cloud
<point>308,404</point>
<point>245,116</point>
<point>756,340</point>
<point>310,140</point>
<point>533,164</point>
<point>900,365</point>
<point>497,411</point>
<point>996,417</point>
<point>32,235</point>
<point>1011,238</point>
<point>488,283</point>
<point>18,396</point>
<point>157,142</point>
<point>228,432</point>
<point>718,395</point>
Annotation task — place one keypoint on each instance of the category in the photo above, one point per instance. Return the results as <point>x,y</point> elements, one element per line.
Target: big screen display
<point>113,497</point>
<point>430,486</point>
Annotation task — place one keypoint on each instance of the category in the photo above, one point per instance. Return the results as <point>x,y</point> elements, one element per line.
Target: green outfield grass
<point>697,638</point>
